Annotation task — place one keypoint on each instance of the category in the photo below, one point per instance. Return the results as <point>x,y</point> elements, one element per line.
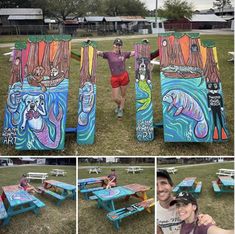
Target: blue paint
<point>86,114</point>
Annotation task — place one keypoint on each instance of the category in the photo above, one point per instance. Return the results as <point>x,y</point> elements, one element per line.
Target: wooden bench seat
<point>176,189</point>
<point>3,212</point>
<point>89,190</point>
<point>117,215</point>
<point>93,197</point>
<point>38,202</point>
<point>216,187</point>
<point>198,188</point>
<point>53,194</point>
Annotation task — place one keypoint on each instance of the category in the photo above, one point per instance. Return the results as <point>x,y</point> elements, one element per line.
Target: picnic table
<point>82,183</point>
<point>190,185</point>
<point>226,172</point>
<point>171,170</point>
<point>57,172</point>
<point>134,169</point>
<point>58,190</point>
<point>106,197</point>
<point>231,53</point>
<point>37,176</point>
<point>224,184</point>
<point>19,201</point>
<point>85,190</point>
<point>96,170</point>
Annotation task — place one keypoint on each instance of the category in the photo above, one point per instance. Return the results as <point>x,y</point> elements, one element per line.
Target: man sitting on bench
<point>26,186</point>
<point>112,179</point>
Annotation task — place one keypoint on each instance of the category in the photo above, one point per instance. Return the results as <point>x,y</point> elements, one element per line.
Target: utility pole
<point>156,17</point>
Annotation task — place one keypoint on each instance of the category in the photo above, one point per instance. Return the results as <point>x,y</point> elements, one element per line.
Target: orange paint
<point>53,48</point>
<point>171,40</point>
<point>184,43</point>
<point>41,46</point>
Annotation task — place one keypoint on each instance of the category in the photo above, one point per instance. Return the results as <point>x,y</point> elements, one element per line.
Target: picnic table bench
<point>85,190</point>
<point>189,184</point>
<point>18,201</point>
<point>36,176</point>
<point>117,215</point>
<point>134,169</point>
<point>51,187</point>
<point>96,170</point>
<point>58,172</point>
<point>224,184</point>
<point>232,56</point>
<point>226,172</point>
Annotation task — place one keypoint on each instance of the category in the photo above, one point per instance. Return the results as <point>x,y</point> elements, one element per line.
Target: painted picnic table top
<point>91,180</point>
<point>120,191</point>
<point>226,180</point>
<point>187,182</point>
<point>137,187</point>
<point>61,185</point>
<point>113,193</point>
<point>16,196</point>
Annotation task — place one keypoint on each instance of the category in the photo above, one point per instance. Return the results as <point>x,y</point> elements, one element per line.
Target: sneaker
<point>120,113</point>
<point>116,109</point>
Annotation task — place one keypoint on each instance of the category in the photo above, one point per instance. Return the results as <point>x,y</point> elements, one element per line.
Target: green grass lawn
<point>115,137</point>
<point>53,219</point>
<point>220,208</point>
<point>91,219</point>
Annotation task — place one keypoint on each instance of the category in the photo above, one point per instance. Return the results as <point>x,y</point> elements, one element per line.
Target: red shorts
<point>120,80</point>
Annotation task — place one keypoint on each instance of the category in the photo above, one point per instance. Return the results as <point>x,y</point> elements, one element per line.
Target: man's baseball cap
<point>118,42</point>
<point>163,173</point>
<point>185,198</point>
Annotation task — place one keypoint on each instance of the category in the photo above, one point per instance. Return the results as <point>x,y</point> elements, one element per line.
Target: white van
<point>6,162</point>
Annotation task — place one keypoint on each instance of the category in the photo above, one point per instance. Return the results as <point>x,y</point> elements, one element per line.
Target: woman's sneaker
<point>120,113</point>
<point>116,109</point>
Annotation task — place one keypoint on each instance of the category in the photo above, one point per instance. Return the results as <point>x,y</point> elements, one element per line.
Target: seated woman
<point>112,179</point>
<point>24,184</point>
<point>187,209</point>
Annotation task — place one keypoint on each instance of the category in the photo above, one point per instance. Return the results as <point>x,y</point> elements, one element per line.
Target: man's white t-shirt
<point>168,219</point>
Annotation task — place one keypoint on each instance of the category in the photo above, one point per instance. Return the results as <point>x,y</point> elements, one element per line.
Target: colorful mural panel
<point>191,90</point>
<point>44,93</point>
<point>143,88</point>
<point>87,94</point>
<point>12,109</point>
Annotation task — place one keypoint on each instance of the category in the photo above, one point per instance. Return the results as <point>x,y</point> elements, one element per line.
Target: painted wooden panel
<point>187,69</point>
<point>44,93</point>
<point>87,94</point>
<point>12,109</point>
<point>143,88</point>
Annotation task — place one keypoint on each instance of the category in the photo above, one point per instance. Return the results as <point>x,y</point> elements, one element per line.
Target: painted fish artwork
<point>192,98</point>
<point>143,88</point>
<point>40,93</point>
<point>87,94</point>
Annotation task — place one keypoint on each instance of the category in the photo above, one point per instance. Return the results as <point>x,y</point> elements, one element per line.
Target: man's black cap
<point>163,173</point>
<point>118,42</point>
<point>185,198</point>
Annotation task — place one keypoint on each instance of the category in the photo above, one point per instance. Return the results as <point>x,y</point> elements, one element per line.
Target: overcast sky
<point>198,4</point>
